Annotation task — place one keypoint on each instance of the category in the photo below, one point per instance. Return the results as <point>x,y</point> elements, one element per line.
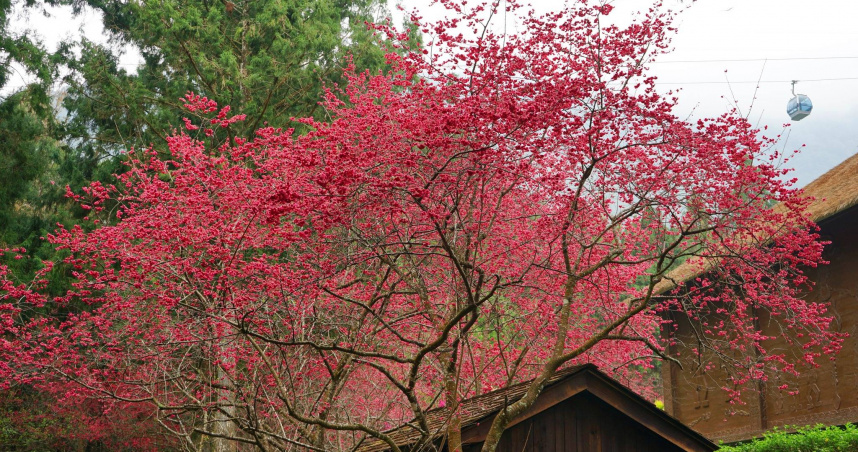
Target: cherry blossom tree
<point>491,209</point>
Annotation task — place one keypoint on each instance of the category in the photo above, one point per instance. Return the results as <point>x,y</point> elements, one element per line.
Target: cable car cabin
<point>799,107</point>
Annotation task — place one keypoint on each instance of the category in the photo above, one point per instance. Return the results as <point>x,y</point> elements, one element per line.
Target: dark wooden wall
<point>828,394</point>
<point>583,423</point>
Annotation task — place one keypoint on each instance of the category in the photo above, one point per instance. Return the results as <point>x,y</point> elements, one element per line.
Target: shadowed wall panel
<point>827,394</point>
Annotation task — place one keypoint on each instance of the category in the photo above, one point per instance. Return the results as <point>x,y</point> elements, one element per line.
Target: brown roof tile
<point>833,192</point>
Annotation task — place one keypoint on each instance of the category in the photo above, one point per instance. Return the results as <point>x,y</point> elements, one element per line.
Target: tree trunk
<point>451,389</point>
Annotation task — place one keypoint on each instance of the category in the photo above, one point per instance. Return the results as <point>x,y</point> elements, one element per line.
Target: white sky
<point>775,29</point>
<point>824,30</point>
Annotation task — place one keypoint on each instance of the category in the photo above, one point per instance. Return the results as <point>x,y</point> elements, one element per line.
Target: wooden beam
<point>615,395</point>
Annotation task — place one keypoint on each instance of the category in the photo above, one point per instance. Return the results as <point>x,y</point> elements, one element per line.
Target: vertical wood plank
<point>761,385</point>
<point>668,373</point>
<point>595,431</point>
<point>570,420</point>
<point>541,431</point>
<point>505,443</point>
<point>583,429</point>
<point>611,433</point>
<point>528,436</point>
<point>559,427</point>
<point>515,441</point>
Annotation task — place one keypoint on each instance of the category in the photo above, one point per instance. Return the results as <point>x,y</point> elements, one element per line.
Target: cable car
<point>800,106</point>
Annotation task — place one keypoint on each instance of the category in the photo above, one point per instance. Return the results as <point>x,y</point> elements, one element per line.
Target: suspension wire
<point>757,81</point>
<point>756,59</point>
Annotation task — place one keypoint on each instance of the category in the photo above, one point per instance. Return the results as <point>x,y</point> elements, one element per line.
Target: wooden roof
<point>478,412</point>
<point>833,192</point>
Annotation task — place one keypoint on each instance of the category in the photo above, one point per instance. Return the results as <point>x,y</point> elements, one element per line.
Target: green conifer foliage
<point>270,57</point>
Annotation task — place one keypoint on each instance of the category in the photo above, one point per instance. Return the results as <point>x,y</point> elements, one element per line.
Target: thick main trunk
<point>454,428</point>
<point>503,418</point>
<point>451,394</point>
<point>222,419</point>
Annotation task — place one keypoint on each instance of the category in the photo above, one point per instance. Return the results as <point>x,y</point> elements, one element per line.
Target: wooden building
<point>828,394</point>
<point>580,410</point>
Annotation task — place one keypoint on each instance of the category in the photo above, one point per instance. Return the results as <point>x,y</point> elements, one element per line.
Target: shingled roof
<point>833,192</point>
<point>471,410</point>
<point>478,412</point>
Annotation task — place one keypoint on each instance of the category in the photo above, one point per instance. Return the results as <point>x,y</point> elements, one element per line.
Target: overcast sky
<point>803,40</point>
<point>824,31</point>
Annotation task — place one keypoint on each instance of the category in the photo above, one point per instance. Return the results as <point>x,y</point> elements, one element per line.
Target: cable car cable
<point>756,59</point>
<point>755,81</point>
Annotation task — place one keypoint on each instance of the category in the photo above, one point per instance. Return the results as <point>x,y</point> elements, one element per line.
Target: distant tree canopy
<point>270,57</point>
<point>29,149</point>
